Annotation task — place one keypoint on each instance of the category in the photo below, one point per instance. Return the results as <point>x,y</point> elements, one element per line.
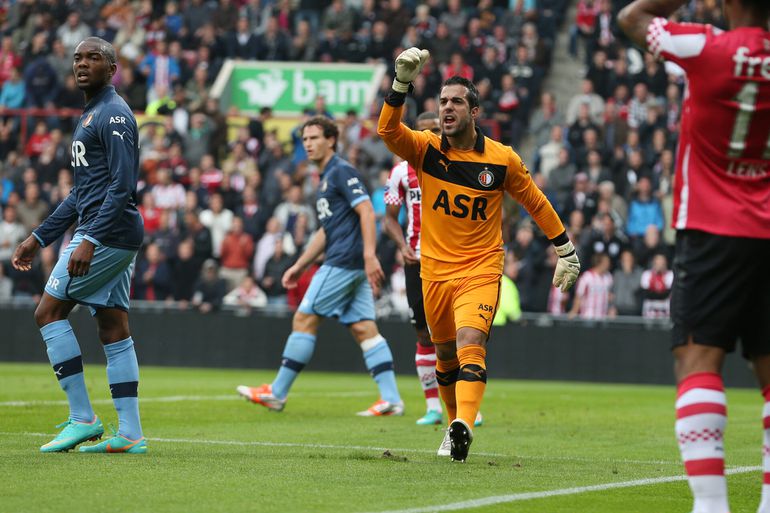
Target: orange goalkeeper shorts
<point>467,302</point>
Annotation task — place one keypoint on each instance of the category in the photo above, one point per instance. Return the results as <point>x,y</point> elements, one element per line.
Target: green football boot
<point>74,433</point>
<point>118,444</point>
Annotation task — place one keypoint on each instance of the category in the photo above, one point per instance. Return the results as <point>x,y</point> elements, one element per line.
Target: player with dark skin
<point>720,286</point>
<point>634,20</point>
<point>94,68</point>
<point>392,229</point>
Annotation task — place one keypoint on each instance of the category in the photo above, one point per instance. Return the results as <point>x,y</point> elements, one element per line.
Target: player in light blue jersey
<point>344,285</point>
<point>95,269</point>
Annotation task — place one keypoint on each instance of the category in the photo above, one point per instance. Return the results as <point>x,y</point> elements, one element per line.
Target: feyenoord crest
<point>88,120</point>
<point>486,178</point>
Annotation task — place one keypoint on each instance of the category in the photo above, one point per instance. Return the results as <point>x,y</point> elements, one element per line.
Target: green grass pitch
<point>544,448</point>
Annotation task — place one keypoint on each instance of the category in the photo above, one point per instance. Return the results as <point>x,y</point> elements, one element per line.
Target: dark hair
<point>427,116</point>
<point>328,126</point>
<point>760,7</point>
<point>473,93</point>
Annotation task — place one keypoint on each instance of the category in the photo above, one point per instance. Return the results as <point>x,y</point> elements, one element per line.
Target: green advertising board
<point>290,87</point>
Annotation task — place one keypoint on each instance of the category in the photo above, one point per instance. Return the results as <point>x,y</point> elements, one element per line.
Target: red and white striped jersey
<point>722,183</point>
<point>403,189</point>
<point>594,291</point>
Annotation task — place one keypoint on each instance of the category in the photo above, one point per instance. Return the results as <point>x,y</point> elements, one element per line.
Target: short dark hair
<point>427,116</point>
<point>105,48</point>
<point>473,93</point>
<point>760,7</point>
<point>328,126</point>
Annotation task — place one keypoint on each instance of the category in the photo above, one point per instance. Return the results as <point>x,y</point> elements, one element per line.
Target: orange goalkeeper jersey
<point>462,197</point>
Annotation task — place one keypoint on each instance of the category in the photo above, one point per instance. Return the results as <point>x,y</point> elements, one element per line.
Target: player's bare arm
<point>25,253</point>
<point>392,229</point>
<point>372,266</point>
<point>80,260</point>
<point>314,249</point>
<point>635,18</point>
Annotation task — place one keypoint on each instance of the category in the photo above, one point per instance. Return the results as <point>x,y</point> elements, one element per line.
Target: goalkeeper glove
<point>408,65</point>
<point>567,267</point>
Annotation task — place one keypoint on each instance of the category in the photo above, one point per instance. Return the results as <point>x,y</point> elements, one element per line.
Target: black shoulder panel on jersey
<point>474,175</point>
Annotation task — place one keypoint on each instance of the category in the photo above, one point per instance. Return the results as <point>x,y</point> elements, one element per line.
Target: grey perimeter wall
<point>620,353</point>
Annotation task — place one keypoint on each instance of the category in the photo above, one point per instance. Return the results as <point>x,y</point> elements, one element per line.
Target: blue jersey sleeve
<point>350,185</point>
<point>118,135</point>
<point>57,223</point>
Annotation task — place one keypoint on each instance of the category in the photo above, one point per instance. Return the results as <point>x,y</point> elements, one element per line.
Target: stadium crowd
<point>224,218</point>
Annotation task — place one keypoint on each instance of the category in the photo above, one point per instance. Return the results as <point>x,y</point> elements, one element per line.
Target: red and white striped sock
<point>701,417</point>
<point>764,504</point>
<point>425,360</point>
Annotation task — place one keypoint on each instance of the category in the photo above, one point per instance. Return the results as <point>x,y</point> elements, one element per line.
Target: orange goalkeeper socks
<point>471,382</point>
<point>446,377</point>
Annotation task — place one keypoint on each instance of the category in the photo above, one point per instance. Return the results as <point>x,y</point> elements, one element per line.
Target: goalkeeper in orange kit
<point>463,176</point>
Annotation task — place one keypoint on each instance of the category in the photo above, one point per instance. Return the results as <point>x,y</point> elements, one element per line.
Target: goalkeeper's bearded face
<point>455,113</point>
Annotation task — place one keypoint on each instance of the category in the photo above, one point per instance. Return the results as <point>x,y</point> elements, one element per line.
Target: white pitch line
<point>373,448</point>
<point>179,398</point>
<point>272,444</point>
<point>518,497</point>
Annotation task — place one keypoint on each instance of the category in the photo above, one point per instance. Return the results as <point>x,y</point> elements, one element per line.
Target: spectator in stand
<point>246,295</point>
<point>184,273</point>
<point>562,178</point>
<point>12,232</point>
<point>266,246</point>
<point>272,44</point>
<point>582,197</point>
<point>545,118</point>
<point>218,220</point>
<point>37,141</point>
<point>161,71</point>
<point>626,286</point>
<point>275,267</point>
<point>6,286</point>
<point>644,210</point>
<point>289,210</point>
<point>593,292</point>
<point>200,235</point>
<point>637,108</point>
<point>549,154</point>
<point>509,305</point>
<point>13,92</point>
<point>457,67</point>
<point>242,43</point>
<point>167,194</point>
<point>150,214</point>
<point>581,124</point>
<point>152,278</point>
<point>72,32</point>
<point>606,241</point>
<point>210,289</point>
<point>9,59</point>
<point>509,113</point>
<point>584,28</point>
<point>600,74</point>
<point>237,251</point>
<point>33,209</point>
<point>587,96</point>
<point>656,289</point>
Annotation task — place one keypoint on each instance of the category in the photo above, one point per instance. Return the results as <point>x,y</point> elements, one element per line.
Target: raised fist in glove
<point>567,267</point>
<point>408,65</point>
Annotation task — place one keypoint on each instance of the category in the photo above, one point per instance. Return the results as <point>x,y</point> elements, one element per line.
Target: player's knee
<point>47,312</point>
<point>305,323</point>
<point>112,328</point>
<point>471,336</point>
<point>446,351</point>
<point>364,330</point>
<point>423,338</point>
